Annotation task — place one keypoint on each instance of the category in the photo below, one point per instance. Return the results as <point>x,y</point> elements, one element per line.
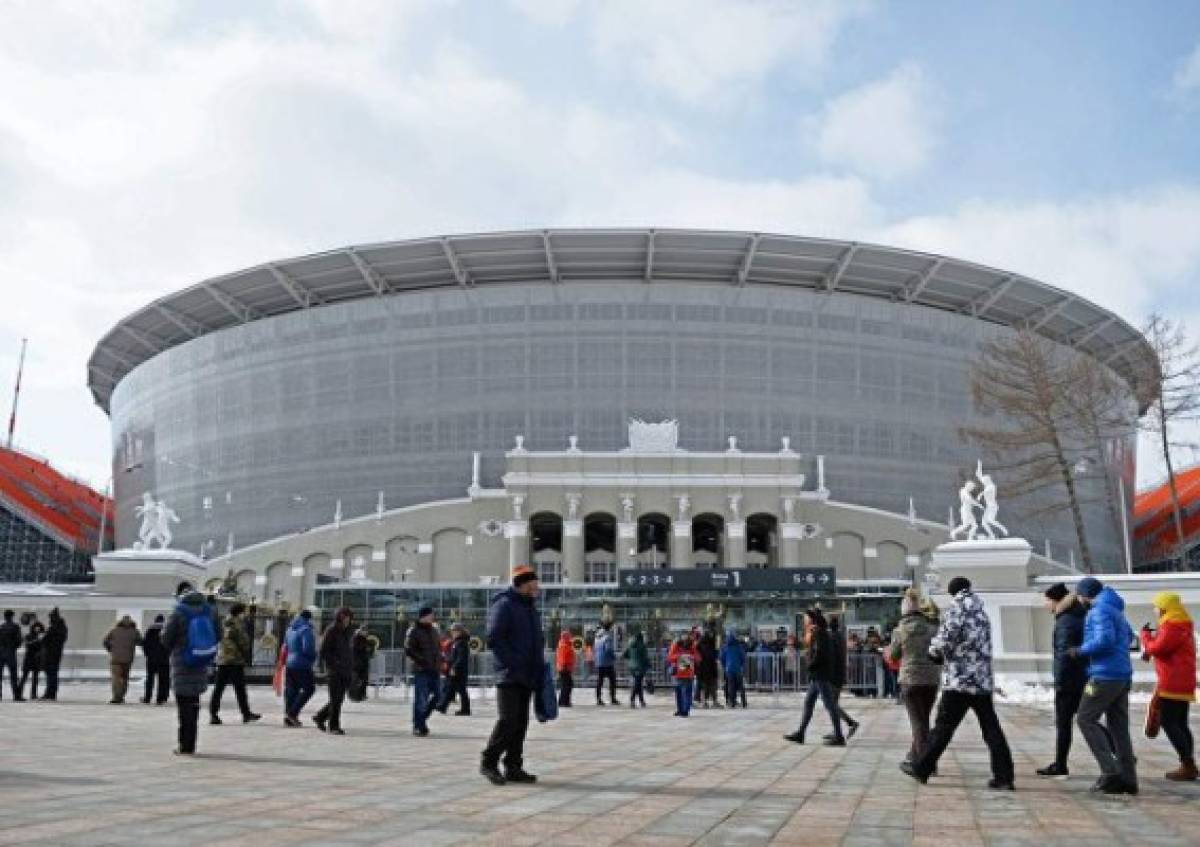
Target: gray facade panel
<point>259,430</point>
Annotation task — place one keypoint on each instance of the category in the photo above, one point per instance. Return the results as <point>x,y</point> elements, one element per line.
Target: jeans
<point>824,689</point>
<point>51,692</point>
<point>1110,743</point>
<point>637,693</point>
<point>455,686</point>
<point>918,702</point>
<point>1066,705</point>
<point>155,674</point>
<point>1174,716</point>
<point>9,661</point>
<point>189,717</point>
<point>952,709</point>
<point>735,684</point>
<point>609,673</point>
<point>566,683</point>
<point>683,696</point>
<point>120,680</point>
<point>425,692</point>
<point>299,685</point>
<point>234,675</point>
<point>332,711</point>
<point>846,719</point>
<point>508,735</point>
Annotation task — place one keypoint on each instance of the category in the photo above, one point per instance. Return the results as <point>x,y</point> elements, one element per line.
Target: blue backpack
<point>201,647</point>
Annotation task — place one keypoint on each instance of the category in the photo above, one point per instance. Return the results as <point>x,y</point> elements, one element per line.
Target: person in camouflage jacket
<point>963,645</point>
<point>234,654</point>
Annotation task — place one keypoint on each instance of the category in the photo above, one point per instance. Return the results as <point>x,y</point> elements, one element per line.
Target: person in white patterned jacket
<point>963,646</point>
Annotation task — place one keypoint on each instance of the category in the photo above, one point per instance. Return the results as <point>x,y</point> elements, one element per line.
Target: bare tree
<point>1025,379</point>
<point>1173,377</point>
<point>1099,413</point>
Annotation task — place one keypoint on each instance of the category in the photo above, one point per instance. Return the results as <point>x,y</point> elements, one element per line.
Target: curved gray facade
<point>259,429</point>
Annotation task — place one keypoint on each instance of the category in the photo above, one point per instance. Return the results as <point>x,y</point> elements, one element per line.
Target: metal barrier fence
<point>764,672</point>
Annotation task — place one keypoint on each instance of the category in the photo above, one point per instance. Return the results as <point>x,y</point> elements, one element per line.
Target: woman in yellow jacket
<point>1173,648</point>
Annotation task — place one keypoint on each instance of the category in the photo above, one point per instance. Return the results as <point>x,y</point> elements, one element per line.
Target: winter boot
<point>1186,772</point>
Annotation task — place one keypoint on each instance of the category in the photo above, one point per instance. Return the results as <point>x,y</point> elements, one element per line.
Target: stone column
<point>424,562</point>
<point>735,544</point>
<point>517,533</point>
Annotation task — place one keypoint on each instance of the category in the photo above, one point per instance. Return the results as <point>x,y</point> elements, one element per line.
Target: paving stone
<point>80,772</point>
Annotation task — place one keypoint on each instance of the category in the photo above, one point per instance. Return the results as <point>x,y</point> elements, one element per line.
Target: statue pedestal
<point>146,573</point>
<point>991,565</point>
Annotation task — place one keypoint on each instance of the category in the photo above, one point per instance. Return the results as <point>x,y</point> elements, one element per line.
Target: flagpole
<point>12,418</point>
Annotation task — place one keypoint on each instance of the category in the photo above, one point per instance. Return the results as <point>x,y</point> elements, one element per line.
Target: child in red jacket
<point>682,660</point>
<point>1173,649</point>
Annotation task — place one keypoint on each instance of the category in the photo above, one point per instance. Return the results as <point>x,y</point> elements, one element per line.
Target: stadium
<point>279,407</point>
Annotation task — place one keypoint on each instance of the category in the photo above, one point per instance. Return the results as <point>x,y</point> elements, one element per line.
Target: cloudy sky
<point>144,147</point>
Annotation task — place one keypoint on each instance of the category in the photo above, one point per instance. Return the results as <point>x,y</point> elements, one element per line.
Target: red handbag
<point>1153,717</point>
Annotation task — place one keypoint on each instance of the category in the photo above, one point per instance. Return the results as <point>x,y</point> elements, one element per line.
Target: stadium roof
<point>564,256</point>
<point>67,510</point>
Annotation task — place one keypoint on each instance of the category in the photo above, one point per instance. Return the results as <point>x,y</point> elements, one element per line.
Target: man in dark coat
<point>11,640</point>
<point>338,655</point>
<point>838,676</point>
<point>821,659</point>
<point>514,634</point>
<point>423,648</point>
<point>52,653</point>
<point>1070,672</point>
<point>457,669</point>
<point>190,681</point>
<point>158,663</point>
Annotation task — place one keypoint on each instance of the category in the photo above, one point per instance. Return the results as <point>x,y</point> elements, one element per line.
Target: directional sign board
<point>729,579</point>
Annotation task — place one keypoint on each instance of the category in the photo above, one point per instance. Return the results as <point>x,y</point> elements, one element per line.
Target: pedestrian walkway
<point>83,772</point>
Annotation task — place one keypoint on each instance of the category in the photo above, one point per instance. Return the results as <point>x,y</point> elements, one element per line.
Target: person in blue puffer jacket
<point>733,662</point>
<point>1107,637</point>
<point>302,655</point>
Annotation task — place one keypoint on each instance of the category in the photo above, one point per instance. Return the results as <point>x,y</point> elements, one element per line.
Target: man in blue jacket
<point>1107,637</point>
<point>514,635</point>
<point>733,662</point>
<point>299,680</point>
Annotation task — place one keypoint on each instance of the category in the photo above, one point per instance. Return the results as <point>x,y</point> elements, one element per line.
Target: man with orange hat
<point>514,635</point>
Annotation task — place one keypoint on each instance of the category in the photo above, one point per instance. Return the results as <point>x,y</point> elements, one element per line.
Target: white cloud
<point>715,52</point>
<point>1125,251</point>
<point>887,128</point>
<point>1187,75</point>
<point>553,13</point>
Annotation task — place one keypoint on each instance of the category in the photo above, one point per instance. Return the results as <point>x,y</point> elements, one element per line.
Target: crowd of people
<point>938,659</point>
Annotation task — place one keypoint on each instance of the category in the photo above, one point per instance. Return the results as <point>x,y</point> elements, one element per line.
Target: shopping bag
<point>1153,717</point>
<point>280,670</point>
<point>545,701</point>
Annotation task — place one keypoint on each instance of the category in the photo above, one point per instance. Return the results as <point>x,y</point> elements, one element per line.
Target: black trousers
<point>918,703</point>
<point>160,676</point>
<point>51,692</point>
<point>34,671</point>
<point>638,693</point>
<point>234,675</point>
<point>735,685</point>
<point>189,718</point>
<point>508,736</point>
<point>1174,715</point>
<point>455,686</point>
<point>1066,705</point>
<point>9,662</point>
<point>952,708</point>
<point>566,684</point>
<point>332,711</point>
<point>609,673</point>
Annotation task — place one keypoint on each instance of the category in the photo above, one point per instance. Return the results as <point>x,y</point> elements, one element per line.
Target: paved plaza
<point>83,772</point>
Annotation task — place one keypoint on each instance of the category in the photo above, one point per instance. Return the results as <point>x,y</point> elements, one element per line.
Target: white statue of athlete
<point>966,512</point>
<point>987,499</point>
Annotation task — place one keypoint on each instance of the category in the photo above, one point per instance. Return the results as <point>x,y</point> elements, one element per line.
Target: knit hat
<point>1089,587</point>
<point>959,583</point>
<point>911,602</point>
<point>424,610</point>
<point>1056,592</point>
<point>522,574</point>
